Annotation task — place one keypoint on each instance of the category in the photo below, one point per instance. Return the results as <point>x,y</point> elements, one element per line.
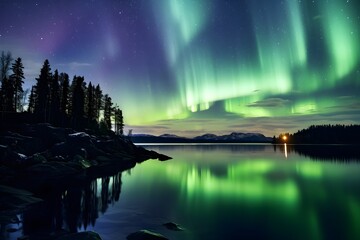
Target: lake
<point>227,191</point>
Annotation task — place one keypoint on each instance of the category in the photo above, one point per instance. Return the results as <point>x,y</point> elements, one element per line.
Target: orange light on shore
<point>284,138</point>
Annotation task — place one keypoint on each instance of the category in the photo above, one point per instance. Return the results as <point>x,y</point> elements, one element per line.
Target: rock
<point>82,161</point>
<point>173,226</point>
<point>49,133</point>
<point>79,144</point>
<point>38,156</point>
<point>81,236</point>
<point>41,136</point>
<point>145,235</point>
<point>11,158</point>
<point>23,144</point>
<point>79,138</point>
<point>68,150</point>
<point>83,153</point>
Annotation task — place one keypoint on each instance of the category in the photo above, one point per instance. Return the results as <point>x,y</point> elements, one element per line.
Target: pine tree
<point>54,99</point>
<point>8,94</point>
<point>5,88</point>
<point>119,121</point>
<point>64,98</point>
<point>17,79</point>
<point>32,100</point>
<point>98,99</point>
<point>90,108</point>
<point>78,101</point>
<point>107,111</point>
<point>41,108</point>
<point>71,93</point>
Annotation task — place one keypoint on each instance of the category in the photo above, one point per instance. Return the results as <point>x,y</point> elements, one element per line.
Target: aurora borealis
<point>190,67</point>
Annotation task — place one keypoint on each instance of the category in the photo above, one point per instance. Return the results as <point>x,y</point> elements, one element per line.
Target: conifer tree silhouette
<point>17,79</point>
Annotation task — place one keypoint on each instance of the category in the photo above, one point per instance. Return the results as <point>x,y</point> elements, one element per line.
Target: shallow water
<point>217,191</point>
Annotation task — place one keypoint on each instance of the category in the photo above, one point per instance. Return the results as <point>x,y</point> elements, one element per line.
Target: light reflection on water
<point>218,191</point>
<point>251,191</point>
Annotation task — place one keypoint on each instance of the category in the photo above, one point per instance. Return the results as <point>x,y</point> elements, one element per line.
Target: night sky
<point>191,67</point>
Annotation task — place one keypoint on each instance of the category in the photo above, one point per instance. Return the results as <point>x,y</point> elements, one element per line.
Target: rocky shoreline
<point>38,157</point>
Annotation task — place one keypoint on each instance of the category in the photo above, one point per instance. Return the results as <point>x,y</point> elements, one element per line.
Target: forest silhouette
<point>322,134</point>
<point>53,99</point>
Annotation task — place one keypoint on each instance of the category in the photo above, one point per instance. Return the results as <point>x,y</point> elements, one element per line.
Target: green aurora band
<point>303,54</point>
<point>189,67</point>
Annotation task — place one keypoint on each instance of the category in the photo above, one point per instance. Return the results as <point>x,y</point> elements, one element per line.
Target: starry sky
<point>190,67</point>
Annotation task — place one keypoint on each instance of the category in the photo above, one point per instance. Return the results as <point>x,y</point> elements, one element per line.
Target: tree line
<point>53,99</point>
<point>323,134</point>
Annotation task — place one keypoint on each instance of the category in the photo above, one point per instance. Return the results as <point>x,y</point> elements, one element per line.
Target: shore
<point>37,158</point>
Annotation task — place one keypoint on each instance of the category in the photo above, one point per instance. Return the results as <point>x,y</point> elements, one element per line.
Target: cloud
<point>346,107</point>
<point>346,97</point>
<point>269,102</point>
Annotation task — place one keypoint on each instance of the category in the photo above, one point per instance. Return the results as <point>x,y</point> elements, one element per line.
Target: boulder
<point>79,143</point>
<point>81,236</point>
<point>46,134</point>
<point>23,144</point>
<point>173,226</point>
<point>49,133</point>
<point>145,235</point>
<point>11,158</point>
<point>83,161</point>
<point>78,138</point>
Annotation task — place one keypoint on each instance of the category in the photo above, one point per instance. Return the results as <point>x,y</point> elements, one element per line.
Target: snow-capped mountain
<point>211,138</point>
<point>235,137</point>
<point>169,136</point>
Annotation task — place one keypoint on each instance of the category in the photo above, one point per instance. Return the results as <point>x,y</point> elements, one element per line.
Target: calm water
<point>214,192</point>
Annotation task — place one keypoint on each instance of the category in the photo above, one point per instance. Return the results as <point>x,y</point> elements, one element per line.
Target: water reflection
<point>76,207</point>
<point>247,194</point>
<point>344,153</point>
<point>211,147</point>
<point>244,181</point>
<point>329,152</point>
<point>216,191</point>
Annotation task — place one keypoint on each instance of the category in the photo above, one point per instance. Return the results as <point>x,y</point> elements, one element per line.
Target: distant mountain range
<point>235,137</point>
